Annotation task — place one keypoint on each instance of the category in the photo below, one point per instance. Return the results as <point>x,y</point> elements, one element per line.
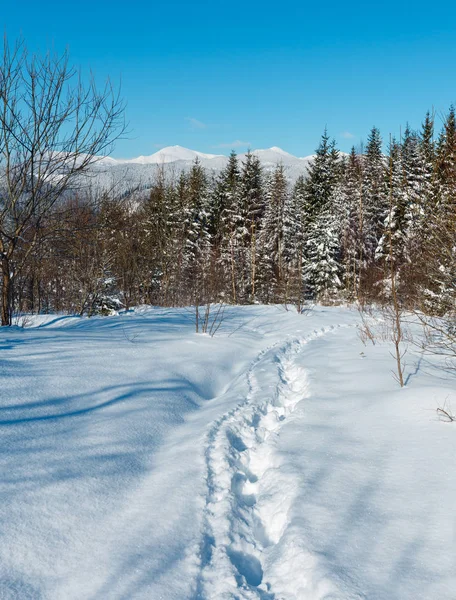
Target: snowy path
<point>248,499</point>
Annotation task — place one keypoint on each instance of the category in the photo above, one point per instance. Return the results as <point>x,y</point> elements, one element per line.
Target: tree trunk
<point>233,272</point>
<point>253,263</point>
<point>7,295</point>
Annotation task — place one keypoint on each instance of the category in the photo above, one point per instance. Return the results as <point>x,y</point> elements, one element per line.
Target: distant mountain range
<point>172,154</point>
<point>128,175</point>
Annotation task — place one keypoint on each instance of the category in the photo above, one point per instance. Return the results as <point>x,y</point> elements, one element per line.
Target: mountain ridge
<point>177,153</point>
<point>136,174</point>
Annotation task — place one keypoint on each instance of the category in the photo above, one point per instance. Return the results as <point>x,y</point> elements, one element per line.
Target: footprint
<point>248,566</point>
<point>235,441</point>
<point>238,483</point>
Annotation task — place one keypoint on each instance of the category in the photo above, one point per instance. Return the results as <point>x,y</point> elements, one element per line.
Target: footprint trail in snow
<point>247,545</point>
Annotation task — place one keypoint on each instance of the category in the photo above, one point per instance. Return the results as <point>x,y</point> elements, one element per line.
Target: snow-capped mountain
<point>276,155</point>
<point>171,154</point>
<point>125,175</point>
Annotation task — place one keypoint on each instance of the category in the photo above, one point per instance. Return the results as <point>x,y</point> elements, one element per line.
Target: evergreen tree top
<point>374,144</point>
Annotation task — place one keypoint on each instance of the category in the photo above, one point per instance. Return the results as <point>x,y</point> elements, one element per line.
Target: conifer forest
<point>341,233</point>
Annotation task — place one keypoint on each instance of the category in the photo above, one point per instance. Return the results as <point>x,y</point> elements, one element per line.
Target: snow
<point>177,153</point>
<point>172,154</point>
<point>125,175</point>
<point>273,156</point>
<point>278,150</point>
<point>277,460</point>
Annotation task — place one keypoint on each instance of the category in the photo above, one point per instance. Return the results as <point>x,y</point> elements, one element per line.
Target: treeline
<point>341,233</point>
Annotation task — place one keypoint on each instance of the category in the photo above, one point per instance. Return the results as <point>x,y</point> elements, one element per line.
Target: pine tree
<point>252,210</point>
<point>271,251</point>
<point>352,214</point>
<point>446,164</point>
<point>322,267</point>
<point>197,252</point>
<point>178,210</point>
<point>294,227</point>
<point>416,180</point>
<point>375,203</point>
<point>227,233</point>
<point>155,211</point>
<point>322,175</point>
<point>427,144</point>
<point>429,184</point>
<point>442,239</point>
<point>419,183</point>
<point>394,223</point>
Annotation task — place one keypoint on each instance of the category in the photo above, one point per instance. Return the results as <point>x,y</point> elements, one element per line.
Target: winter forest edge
<point>247,235</point>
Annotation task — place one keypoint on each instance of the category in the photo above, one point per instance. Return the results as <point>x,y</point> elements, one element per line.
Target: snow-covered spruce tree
<point>228,232</point>
<point>176,246</point>
<point>437,300</point>
<point>271,274</point>
<point>252,210</point>
<point>166,218</point>
<point>392,242</point>
<point>417,159</point>
<point>198,274</point>
<point>429,191</point>
<point>375,204</point>
<point>428,158</point>
<point>353,250</point>
<point>154,214</point>
<point>416,186</point>
<point>441,243</point>
<point>294,228</point>
<point>321,262</point>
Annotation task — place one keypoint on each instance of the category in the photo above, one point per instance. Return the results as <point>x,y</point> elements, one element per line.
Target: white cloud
<point>235,144</point>
<point>196,124</point>
<point>347,135</point>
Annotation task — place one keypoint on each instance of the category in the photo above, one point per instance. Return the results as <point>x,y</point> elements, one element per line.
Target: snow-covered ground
<point>278,460</point>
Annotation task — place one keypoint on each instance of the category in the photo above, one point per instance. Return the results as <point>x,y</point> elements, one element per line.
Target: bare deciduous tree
<point>53,126</point>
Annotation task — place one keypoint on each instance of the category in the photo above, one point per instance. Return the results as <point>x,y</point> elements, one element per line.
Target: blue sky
<point>216,75</point>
